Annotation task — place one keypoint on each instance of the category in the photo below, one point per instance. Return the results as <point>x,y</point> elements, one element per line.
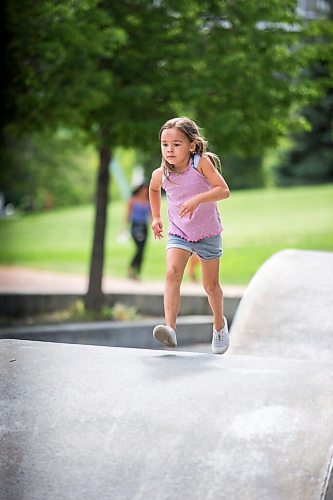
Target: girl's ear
<point>193,147</point>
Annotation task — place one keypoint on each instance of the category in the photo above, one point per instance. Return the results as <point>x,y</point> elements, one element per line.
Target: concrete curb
<point>151,304</point>
<point>137,334</point>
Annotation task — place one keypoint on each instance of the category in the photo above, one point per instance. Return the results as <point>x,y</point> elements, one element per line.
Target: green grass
<point>257,224</point>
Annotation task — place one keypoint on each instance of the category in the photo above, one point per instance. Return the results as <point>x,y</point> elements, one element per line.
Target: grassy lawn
<point>257,224</point>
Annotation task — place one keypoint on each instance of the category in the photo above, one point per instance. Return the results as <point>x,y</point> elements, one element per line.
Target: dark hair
<point>189,128</point>
<point>138,188</point>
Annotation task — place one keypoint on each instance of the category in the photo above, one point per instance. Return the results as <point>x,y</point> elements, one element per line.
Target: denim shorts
<point>207,249</point>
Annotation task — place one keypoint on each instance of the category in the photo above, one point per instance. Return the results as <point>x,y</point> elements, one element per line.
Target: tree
<point>139,80</point>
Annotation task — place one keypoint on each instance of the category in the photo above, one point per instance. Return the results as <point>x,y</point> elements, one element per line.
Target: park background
<point>88,85</point>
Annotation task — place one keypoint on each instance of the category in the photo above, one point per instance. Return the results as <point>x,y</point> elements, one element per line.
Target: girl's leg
<point>192,265</point>
<point>176,260</point>
<point>210,280</point>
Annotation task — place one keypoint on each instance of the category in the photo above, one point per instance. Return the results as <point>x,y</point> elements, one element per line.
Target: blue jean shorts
<point>207,249</point>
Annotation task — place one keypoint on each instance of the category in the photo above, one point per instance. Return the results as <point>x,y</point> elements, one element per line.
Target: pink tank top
<point>179,188</point>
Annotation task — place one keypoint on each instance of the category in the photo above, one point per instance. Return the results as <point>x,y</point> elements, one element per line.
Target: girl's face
<point>176,147</point>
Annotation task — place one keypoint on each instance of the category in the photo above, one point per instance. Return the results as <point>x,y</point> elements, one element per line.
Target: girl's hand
<point>157,227</point>
<point>188,207</point>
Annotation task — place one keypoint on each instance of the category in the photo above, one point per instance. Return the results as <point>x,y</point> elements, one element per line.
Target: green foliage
<point>251,75</point>
<point>122,312</point>
<point>243,172</point>
<point>118,312</point>
<point>117,70</point>
<point>310,159</point>
<point>53,62</point>
<point>45,171</point>
<point>76,312</point>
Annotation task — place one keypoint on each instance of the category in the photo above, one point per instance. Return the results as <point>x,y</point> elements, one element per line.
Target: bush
<point>315,168</point>
<point>243,173</point>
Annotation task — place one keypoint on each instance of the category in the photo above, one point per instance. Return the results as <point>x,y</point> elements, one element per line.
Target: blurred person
<point>190,176</point>
<point>138,216</point>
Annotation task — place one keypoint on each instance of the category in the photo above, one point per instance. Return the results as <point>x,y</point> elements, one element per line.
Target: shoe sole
<point>220,352</point>
<point>162,335</point>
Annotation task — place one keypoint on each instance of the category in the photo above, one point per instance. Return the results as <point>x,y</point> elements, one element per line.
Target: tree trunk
<point>94,298</point>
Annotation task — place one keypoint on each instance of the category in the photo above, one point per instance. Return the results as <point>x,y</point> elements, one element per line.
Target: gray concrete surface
<point>287,309</point>
<point>85,422</point>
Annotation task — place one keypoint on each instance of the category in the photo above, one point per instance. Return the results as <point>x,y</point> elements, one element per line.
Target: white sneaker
<point>220,341</point>
<point>166,335</point>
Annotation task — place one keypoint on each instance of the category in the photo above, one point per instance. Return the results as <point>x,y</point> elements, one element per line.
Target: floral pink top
<point>179,188</point>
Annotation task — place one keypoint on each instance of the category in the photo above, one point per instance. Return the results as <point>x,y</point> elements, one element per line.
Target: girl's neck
<point>182,168</point>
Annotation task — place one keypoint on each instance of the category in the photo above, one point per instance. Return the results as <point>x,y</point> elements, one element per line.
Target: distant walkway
<point>14,279</point>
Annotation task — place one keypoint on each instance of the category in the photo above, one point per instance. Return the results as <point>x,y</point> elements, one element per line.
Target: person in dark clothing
<point>138,215</point>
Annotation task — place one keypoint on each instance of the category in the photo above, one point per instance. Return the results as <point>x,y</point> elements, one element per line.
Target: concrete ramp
<point>287,309</point>
<point>85,422</point>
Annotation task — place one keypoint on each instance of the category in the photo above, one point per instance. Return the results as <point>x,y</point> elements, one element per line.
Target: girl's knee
<point>212,288</point>
<point>173,274</point>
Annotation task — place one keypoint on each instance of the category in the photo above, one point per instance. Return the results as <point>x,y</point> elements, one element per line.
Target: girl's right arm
<point>155,202</point>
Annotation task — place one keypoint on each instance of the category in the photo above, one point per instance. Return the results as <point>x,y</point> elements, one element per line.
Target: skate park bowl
<point>86,422</point>
<point>287,309</point>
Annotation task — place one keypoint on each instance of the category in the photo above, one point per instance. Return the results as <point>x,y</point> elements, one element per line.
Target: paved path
<point>27,280</point>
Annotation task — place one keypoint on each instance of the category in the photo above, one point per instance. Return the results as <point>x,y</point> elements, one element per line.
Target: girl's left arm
<point>219,190</point>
